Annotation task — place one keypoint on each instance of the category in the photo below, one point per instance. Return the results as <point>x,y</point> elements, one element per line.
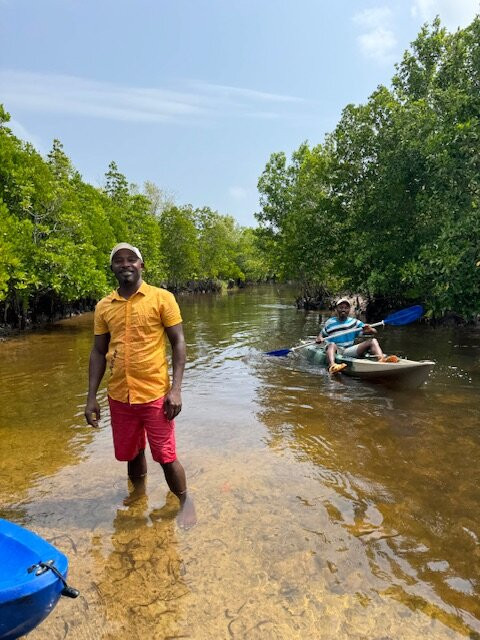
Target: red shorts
<point>133,424</point>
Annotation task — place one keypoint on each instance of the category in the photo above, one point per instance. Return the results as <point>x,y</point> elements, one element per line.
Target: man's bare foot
<point>187,516</point>
<point>336,368</point>
<point>389,359</point>
<point>139,490</point>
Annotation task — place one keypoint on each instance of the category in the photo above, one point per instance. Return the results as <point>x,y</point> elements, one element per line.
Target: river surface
<point>328,508</point>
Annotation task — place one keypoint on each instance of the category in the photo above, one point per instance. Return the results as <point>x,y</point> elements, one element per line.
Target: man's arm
<point>367,330</point>
<point>96,369</point>
<point>321,335</point>
<point>173,399</point>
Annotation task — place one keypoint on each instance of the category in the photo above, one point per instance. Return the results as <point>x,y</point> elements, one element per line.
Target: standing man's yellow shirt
<point>136,355</point>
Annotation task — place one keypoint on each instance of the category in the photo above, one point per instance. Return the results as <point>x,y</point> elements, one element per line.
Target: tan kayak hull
<point>405,373</point>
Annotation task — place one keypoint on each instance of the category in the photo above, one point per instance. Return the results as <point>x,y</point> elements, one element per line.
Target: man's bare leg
<point>137,468</point>
<point>369,345</point>
<point>332,366</point>
<point>137,473</point>
<point>177,483</point>
<point>331,351</point>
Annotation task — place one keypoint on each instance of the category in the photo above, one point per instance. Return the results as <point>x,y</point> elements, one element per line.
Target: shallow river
<point>328,508</point>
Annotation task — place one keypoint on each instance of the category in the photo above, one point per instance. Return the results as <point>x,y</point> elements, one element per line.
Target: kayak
<point>32,579</point>
<point>407,374</point>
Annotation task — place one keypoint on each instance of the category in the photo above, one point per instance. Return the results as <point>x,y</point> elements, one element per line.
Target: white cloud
<point>378,40</point>
<point>239,193</point>
<point>453,13</point>
<point>373,18</point>
<point>248,94</point>
<point>83,97</point>
<point>377,44</point>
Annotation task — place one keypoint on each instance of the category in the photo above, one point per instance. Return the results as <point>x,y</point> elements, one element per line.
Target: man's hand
<point>367,330</point>
<point>173,400</point>
<point>319,339</point>
<point>92,412</point>
<point>172,404</point>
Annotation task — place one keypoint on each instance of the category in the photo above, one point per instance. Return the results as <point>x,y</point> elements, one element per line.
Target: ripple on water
<point>328,508</point>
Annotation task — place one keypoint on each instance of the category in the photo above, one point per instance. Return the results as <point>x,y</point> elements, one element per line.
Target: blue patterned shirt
<point>335,325</point>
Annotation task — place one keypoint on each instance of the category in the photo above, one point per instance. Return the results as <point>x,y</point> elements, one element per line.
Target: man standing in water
<point>130,326</point>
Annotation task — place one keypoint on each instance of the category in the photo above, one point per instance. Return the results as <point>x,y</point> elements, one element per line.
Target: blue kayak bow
<point>396,319</point>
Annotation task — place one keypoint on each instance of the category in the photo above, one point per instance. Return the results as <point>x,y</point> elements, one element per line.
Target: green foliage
<point>16,254</point>
<point>56,232</point>
<point>158,199</point>
<point>299,220</point>
<point>250,258</point>
<point>389,205</point>
<point>217,245</point>
<point>201,244</point>
<point>179,244</point>
<point>116,185</point>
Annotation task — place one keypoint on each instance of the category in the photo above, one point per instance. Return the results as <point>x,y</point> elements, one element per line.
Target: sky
<point>195,95</point>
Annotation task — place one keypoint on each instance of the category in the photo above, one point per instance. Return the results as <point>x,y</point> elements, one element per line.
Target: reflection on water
<point>328,508</point>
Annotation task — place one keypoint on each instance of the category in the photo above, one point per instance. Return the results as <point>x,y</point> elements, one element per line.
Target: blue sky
<point>195,95</point>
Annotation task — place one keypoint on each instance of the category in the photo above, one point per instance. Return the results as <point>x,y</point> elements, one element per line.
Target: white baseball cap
<point>343,300</point>
<point>125,245</point>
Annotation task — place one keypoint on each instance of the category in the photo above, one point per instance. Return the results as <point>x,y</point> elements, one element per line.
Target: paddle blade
<point>405,316</point>
<point>279,352</point>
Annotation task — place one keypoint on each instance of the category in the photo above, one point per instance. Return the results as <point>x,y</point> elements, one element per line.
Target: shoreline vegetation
<point>49,311</point>
<point>388,206</point>
<point>56,232</point>
<point>361,307</point>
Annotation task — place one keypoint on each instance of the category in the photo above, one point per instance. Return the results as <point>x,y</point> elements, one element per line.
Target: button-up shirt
<point>136,355</point>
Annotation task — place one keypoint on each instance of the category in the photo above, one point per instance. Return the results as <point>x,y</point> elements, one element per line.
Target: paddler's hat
<point>125,245</point>
<point>343,300</point>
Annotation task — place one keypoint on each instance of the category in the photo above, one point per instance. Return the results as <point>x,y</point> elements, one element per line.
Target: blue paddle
<point>396,319</point>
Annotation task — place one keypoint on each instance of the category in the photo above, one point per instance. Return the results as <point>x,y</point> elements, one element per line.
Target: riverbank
<point>375,308</point>
<point>372,309</point>
<point>46,311</point>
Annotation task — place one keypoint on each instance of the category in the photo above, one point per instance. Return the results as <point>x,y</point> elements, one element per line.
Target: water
<point>328,508</point>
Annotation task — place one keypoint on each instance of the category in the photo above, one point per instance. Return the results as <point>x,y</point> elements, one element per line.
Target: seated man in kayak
<point>344,343</point>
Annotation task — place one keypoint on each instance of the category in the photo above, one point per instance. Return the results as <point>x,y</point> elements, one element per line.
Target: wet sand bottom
<point>263,562</point>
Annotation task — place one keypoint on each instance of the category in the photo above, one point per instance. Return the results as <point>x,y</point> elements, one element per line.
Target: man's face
<point>127,267</point>
<point>343,309</point>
